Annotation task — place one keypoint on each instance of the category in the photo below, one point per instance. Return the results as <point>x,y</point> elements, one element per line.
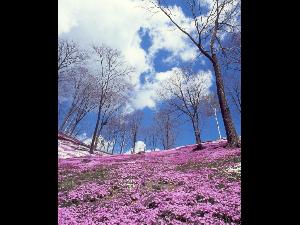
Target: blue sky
<point>145,43</point>
<point>186,136</point>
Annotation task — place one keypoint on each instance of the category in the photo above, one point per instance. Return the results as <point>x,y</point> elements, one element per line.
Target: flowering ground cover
<point>178,186</point>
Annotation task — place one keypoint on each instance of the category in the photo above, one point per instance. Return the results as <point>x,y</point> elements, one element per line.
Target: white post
<point>217,123</point>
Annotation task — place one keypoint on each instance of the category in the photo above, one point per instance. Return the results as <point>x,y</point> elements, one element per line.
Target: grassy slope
<point>178,186</point>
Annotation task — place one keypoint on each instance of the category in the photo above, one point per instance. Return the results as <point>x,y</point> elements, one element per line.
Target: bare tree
<point>80,92</point>
<point>166,126</point>
<point>86,105</point>
<point>113,105</point>
<point>231,59</point>
<point>231,55</point>
<point>233,89</point>
<point>151,136</point>
<point>111,132</point>
<point>123,132</point>
<point>69,54</point>
<point>184,92</point>
<point>134,123</point>
<point>111,75</point>
<point>209,24</point>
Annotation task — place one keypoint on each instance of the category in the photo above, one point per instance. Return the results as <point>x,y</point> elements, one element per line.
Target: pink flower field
<point>177,186</point>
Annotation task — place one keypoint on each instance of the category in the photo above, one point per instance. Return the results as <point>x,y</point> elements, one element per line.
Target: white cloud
<point>114,23</point>
<point>117,24</point>
<point>203,79</point>
<point>148,95</point>
<point>166,37</point>
<point>139,146</point>
<point>66,15</point>
<point>144,98</point>
<point>161,76</point>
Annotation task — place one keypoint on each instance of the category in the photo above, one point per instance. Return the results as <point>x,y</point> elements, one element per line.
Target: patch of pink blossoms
<point>178,186</point>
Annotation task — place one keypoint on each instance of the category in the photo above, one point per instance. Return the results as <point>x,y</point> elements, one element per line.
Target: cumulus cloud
<point>166,37</point>
<point>139,146</point>
<point>152,91</point>
<point>144,97</point>
<point>114,23</point>
<point>66,15</point>
<point>117,24</point>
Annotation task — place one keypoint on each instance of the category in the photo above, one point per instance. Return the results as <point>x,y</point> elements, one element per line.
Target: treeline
<point>97,80</point>
<point>214,30</point>
<point>93,80</point>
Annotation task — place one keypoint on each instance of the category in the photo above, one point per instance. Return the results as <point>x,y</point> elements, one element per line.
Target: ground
<point>69,147</point>
<point>178,186</point>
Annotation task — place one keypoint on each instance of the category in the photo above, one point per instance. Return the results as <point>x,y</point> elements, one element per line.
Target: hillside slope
<point>69,147</point>
<point>178,186</point>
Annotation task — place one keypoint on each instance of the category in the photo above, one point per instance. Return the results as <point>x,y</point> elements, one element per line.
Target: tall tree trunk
<point>166,141</point>
<point>133,141</point>
<point>98,135</point>
<point>167,132</point>
<point>197,134</point>
<point>164,145</point>
<point>113,147</point>
<point>69,125</point>
<point>67,117</point>
<point>95,131</point>
<point>108,145</point>
<point>121,148</point>
<point>232,136</point>
<point>75,124</point>
<point>72,109</point>
<point>122,143</point>
<point>79,117</point>
<point>74,127</point>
